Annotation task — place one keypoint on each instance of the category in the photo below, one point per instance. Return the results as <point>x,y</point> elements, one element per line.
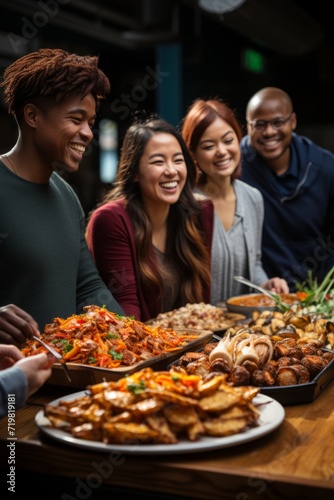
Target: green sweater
<point>45,265</point>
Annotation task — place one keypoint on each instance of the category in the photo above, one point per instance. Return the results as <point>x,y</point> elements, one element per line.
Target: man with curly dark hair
<point>46,268</point>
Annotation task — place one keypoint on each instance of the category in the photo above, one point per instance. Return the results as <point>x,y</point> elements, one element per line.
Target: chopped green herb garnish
<point>115,354</point>
<point>112,336</point>
<point>67,347</point>
<point>136,388</point>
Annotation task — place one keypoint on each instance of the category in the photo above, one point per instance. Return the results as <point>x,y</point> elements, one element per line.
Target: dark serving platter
<point>295,394</point>
<point>301,393</point>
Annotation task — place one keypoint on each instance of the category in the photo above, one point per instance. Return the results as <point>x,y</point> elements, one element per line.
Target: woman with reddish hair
<point>213,134</point>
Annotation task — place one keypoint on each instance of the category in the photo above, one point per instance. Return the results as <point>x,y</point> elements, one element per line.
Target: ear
<point>192,154</point>
<point>31,114</point>
<point>293,121</point>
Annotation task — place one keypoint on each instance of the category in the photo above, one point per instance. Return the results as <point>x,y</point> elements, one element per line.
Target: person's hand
<point>16,326</point>
<point>37,369</point>
<point>9,354</point>
<point>276,285</point>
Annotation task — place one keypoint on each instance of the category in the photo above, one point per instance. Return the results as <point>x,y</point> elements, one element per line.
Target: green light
<point>253,61</point>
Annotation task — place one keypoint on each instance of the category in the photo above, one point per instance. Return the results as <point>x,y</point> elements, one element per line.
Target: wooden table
<point>296,461</point>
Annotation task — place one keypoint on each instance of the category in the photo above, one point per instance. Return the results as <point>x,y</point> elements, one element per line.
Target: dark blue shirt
<point>298,230</point>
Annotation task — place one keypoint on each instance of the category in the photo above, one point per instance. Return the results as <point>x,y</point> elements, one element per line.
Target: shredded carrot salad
<point>101,338</point>
<point>143,379</point>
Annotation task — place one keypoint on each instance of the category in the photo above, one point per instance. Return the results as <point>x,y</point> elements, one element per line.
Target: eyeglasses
<point>276,123</point>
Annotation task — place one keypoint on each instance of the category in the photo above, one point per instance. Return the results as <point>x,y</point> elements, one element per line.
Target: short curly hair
<point>55,75</point>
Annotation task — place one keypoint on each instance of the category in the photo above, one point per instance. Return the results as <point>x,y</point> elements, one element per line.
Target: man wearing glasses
<point>296,179</point>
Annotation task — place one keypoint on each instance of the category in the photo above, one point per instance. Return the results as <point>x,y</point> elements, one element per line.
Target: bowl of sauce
<point>245,304</point>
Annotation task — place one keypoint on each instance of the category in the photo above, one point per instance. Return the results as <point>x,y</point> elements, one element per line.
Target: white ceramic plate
<point>271,416</point>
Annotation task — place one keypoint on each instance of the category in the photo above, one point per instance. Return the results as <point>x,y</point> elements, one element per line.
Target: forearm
<point>14,384</point>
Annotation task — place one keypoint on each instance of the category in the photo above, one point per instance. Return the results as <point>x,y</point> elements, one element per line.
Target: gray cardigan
<point>249,213</point>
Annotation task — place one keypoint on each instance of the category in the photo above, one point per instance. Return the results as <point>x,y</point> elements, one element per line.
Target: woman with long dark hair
<point>150,238</point>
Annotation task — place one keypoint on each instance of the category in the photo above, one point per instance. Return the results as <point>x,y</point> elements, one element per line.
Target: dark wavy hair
<point>200,115</point>
<point>185,241</point>
<point>49,76</point>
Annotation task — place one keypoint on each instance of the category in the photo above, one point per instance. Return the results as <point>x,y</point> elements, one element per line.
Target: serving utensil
<point>280,304</point>
<point>56,354</point>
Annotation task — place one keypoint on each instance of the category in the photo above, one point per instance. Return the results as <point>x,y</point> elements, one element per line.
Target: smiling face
<point>218,150</point>
<point>162,170</point>
<point>64,131</point>
<point>272,143</point>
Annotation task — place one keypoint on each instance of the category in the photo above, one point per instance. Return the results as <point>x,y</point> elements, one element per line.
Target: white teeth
<point>169,184</point>
<point>223,163</point>
<point>79,148</point>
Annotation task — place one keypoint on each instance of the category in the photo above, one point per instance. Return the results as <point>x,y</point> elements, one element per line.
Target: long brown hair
<point>185,244</point>
<point>200,115</point>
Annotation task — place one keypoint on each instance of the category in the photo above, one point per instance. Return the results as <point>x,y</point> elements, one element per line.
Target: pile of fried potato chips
<point>157,407</point>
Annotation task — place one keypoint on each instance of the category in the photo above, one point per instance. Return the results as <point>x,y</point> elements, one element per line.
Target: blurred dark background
<point>160,55</point>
